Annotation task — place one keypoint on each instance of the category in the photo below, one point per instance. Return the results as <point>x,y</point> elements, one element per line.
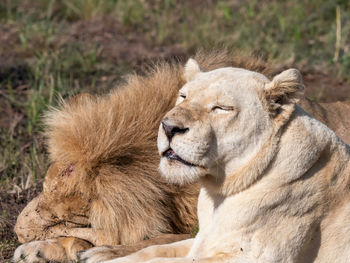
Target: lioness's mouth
<point>171,155</point>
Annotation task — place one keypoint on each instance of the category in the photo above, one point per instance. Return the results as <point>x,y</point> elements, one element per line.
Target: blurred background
<point>51,47</point>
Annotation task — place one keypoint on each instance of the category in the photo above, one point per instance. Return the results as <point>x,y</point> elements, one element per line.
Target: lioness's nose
<point>171,129</point>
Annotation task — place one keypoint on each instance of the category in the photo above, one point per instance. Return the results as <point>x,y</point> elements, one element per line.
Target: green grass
<point>297,31</point>
<point>47,70</point>
<point>43,64</point>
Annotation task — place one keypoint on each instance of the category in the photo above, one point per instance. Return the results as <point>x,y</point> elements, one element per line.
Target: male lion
<point>103,186</point>
<point>275,181</point>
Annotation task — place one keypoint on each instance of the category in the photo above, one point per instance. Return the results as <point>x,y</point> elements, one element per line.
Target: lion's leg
<point>73,245</point>
<point>98,254</point>
<point>225,258</point>
<point>177,249</point>
<point>97,237</point>
<point>220,258</point>
<point>60,249</point>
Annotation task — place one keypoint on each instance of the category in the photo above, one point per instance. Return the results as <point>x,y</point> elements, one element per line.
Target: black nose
<point>171,130</point>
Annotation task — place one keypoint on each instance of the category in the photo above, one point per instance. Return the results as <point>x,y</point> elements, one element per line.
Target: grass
<point>51,48</point>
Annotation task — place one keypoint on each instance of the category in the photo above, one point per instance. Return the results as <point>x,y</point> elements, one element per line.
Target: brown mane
<point>115,134</point>
<point>113,139</point>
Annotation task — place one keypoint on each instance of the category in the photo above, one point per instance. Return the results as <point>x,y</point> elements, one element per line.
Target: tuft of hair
<point>113,128</point>
<point>214,59</point>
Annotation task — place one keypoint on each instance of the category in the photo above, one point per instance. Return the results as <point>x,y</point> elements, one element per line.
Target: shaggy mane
<point>123,125</point>
<point>111,140</point>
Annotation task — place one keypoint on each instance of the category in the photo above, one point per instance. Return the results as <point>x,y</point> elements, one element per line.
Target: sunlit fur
<point>275,185</point>
<point>215,107</point>
<point>103,184</point>
<point>110,141</point>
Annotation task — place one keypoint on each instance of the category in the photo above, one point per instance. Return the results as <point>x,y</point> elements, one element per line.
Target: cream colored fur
<point>103,186</point>
<point>275,181</point>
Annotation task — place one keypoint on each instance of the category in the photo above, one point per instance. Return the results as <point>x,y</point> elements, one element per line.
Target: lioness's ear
<point>285,89</point>
<point>191,69</point>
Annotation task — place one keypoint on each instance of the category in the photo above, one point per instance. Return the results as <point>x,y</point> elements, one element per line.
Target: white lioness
<point>275,181</point>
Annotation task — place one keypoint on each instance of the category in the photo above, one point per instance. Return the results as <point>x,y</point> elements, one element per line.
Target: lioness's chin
<point>176,172</point>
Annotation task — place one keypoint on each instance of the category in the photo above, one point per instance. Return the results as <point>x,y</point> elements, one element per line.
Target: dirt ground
<point>121,47</point>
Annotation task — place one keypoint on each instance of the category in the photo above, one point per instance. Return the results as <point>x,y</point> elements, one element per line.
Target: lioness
<point>103,186</point>
<point>274,180</point>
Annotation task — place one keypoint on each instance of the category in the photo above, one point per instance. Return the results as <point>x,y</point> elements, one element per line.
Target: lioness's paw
<point>40,251</point>
<point>97,254</point>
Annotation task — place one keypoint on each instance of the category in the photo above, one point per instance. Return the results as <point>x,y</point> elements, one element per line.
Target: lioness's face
<point>218,122</point>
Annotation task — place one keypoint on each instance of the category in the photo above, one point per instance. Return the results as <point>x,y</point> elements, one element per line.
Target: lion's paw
<point>97,254</point>
<point>39,251</point>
